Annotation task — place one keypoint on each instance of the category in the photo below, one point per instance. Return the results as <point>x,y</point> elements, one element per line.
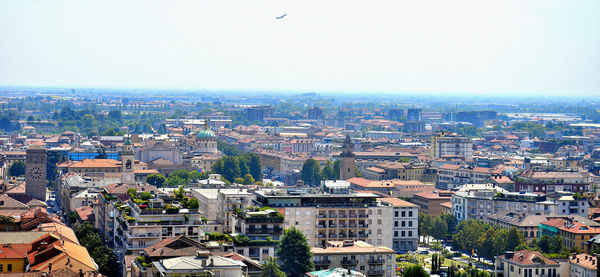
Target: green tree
<point>101,154</point>
<point>310,173</point>
<point>468,234</point>
<point>115,114</point>
<point>255,167</point>
<point>414,270</point>
<point>193,203</point>
<point>327,172</point>
<point>231,168</point>
<point>103,256</point>
<point>270,268</point>
<point>156,179</point>
<point>439,228</point>
<point>294,253</point>
<point>424,227</point>
<point>17,168</point>
<point>238,180</point>
<point>248,179</point>
<point>514,239</point>
<point>336,169</point>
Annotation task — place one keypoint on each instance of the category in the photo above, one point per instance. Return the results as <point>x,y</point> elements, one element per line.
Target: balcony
<point>332,225</point>
<point>322,216</point>
<point>375,272</point>
<point>332,216</point>
<point>350,262</point>
<point>322,262</point>
<point>363,225</point>
<point>352,215</point>
<point>362,215</point>
<point>352,225</point>
<point>351,235</point>
<point>332,235</point>
<point>376,261</point>
<point>142,235</point>
<point>321,236</point>
<point>264,231</point>
<point>320,225</point>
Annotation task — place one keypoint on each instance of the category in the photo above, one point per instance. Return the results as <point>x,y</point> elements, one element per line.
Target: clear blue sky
<point>471,46</point>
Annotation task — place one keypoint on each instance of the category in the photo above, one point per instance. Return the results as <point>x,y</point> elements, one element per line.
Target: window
<point>265,251</point>
<point>395,213</point>
<point>403,213</point>
<point>395,234</point>
<point>395,223</point>
<point>403,234</point>
<point>410,213</point>
<point>403,223</point>
<point>410,233</point>
<point>410,224</point>
<point>9,268</point>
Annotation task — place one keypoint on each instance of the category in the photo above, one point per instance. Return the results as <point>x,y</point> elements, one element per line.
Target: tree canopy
<point>294,253</point>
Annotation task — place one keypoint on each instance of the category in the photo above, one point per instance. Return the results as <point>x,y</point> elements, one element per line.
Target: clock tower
<point>127,163</point>
<point>35,172</point>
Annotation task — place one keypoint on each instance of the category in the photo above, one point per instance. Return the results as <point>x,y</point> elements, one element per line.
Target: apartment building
<point>525,263</point>
<point>219,205</point>
<point>263,230</point>
<point>478,201</point>
<point>406,217</point>
<point>583,265</point>
<point>551,181</point>
<point>356,255</point>
<point>325,216</point>
<point>451,145</point>
<point>431,201</point>
<point>147,219</point>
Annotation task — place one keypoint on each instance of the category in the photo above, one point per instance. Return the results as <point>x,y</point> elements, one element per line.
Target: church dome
<point>206,134</point>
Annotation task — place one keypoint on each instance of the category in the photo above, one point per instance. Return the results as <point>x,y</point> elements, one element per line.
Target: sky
<point>484,47</point>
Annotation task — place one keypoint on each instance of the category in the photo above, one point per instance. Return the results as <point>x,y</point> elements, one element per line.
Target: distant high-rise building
<point>347,156</point>
<point>35,172</point>
<point>396,114</point>
<point>315,113</point>
<point>451,145</point>
<point>414,114</point>
<point>259,113</point>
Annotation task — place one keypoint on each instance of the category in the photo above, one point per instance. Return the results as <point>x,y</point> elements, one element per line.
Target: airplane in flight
<point>280,17</point>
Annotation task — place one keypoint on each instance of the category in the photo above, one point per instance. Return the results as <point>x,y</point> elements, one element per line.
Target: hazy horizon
<point>467,47</point>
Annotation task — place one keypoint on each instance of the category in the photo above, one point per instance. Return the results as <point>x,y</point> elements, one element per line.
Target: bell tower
<point>127,163</point>
<point>35,172</point>
<point>347,156</point>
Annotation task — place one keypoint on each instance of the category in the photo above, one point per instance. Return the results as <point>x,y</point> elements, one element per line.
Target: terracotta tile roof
<point>174,247</point>
<point>92,163</point>
<point>528,257</point>
<point>85,213</point>
<point>396,202</point>
<point>585,260</point>
<point>14,251</point>
<point>447,205</point>
<point>434,194</point>
<point>580,228</point>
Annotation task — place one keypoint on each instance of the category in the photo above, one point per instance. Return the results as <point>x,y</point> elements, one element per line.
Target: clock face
<point>36,173</point>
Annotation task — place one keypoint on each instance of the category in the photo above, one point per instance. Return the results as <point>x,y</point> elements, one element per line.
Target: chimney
<point>508,255</point>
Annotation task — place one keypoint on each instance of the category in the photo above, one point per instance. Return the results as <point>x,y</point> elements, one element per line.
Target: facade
<point>322,216</point>
<point>260,227</point>
<point>430,202</point>
<point>525,223</point>
<point>525,263</point>
<point>259,113</point>
<point>35,172</point>
<point>357,256</point>
<point>451,145</point>
<point>583,265</point>
<point>219,205</point>
<point>481,201</point>
<point>405,227</point>
<point>141,225</point>
<point>552,181</point>
<point>347,170</point>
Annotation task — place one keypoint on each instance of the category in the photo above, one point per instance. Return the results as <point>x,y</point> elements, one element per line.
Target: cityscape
<point>159,139</point>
